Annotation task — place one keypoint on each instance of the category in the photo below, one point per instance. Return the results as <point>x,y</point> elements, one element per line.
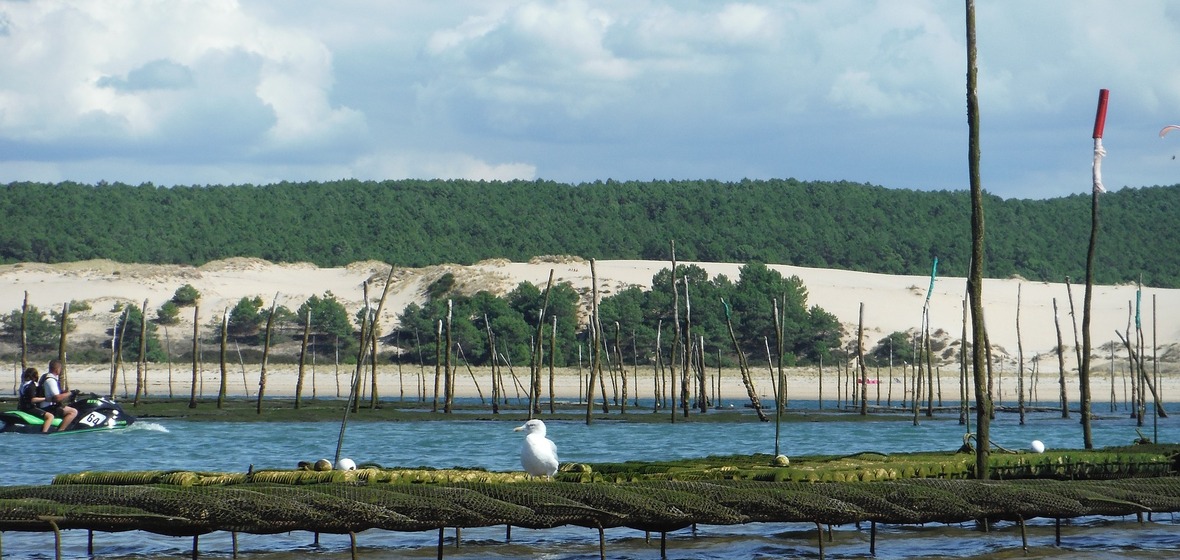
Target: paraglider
<point>1165,130</point>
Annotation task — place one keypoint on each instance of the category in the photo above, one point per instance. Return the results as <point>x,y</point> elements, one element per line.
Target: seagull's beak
<point>518,428</point>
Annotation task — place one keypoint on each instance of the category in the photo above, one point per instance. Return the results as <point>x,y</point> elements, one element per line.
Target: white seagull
<point>538,455</point>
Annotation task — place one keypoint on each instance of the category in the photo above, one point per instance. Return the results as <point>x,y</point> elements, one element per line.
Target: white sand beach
<point>891,303</point>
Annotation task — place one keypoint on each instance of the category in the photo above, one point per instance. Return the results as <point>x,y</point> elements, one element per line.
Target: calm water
<point>233,447</point>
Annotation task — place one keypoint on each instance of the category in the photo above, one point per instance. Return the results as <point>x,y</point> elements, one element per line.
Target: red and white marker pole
<point>1099,151</point>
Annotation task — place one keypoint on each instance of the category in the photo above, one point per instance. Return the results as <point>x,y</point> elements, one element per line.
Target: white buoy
<point>1037,446</point>
<point>782,461</point>
<point>346,464</point>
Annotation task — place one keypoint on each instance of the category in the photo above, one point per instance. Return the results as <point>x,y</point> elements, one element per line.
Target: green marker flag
<point>933,273</point>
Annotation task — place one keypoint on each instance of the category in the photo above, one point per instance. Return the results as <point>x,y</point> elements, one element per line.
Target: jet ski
<point>94,413</point>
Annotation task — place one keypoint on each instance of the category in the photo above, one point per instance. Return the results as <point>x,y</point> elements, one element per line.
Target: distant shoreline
<point>802,383</point>
<point>891,304</point>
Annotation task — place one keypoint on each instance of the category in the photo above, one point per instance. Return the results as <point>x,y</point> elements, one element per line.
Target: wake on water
<point>146,426</point>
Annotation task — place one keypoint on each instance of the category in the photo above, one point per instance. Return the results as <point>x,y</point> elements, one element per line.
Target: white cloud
<point>579,90</point>
<point>136,66</point>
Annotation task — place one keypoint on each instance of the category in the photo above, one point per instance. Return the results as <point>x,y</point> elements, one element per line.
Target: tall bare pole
<point>192,399</point>
<point>1020,359</point>
<point>1084,368</point>
<point>596,359</point>
<point>553,367</point>
<point>983,403</point>
<point>374,397</point>
<point>302,360</point>
<point>538,353</point>
<point>860,357</point>
<point>354,396</point>
<point>493,359</point>
<point>61,344</point>
<point>270,321</point>
<point>24,340</point>
<point>1064,398</point>
<point>925,334</point>
<point>141,363</point>
<point>221,391</point>
<point>354,391</point>
<point>448,369</point>
<point>675,331</point>
<point>781,388</point>
<point>1073,319</point>
<point>684,390</point>
<point>964,407</point>
<point>117,348</point>
<point>438,361</point>
<point>1155,369</point>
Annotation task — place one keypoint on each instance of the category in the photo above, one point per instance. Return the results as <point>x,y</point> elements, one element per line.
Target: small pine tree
<point>186,295</point>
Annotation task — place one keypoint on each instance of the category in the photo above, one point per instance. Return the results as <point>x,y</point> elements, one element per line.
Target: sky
<point>177,92</point>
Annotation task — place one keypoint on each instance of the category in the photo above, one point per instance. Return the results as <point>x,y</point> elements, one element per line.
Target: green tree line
<point>422,222</point>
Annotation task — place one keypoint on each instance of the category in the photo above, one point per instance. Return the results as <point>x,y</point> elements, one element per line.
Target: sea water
<point>169,444</point>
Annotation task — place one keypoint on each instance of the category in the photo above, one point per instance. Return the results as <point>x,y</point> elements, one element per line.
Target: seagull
<point>538,455</point>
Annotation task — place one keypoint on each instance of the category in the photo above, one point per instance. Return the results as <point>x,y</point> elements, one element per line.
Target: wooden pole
<point>302,359</point>
<point>657,393</point>
<point>538,352</point>
<point>916,397</point>
<point>675,331</point>
<point>1020,360</point>
<point>930,376</point>
<point>118,349</point>
<point>221,391</point>
<point>62,345</point>
<point>141,362</point>
<point>596,360</point>
<point>168,357</point>
<point>353,404</point>
<point>373,338</point>
<point>24,339</point>
<point>975,280</point>
<point>437,363</point>
<point>1155,369</point>
<point>553,367</point>
<point>744,367</point>
<point>1136,364</point>
<point>622,368</point>
<point>270,319</point>
<point>1063,397</point>
<point>492,359</point>
<point>860,357</point>
<point>780,387</point>
<point>192,400</point>
<point>821,380</point>
<point>1141,411</point>
<point>684,390</point>
<point>448,370</point>
<point>1084,371</point>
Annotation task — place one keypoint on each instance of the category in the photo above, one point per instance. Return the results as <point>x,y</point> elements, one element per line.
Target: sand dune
<point>892,303</point>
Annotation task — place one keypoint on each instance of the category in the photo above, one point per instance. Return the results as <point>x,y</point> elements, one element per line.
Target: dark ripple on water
<point>1090,538</point>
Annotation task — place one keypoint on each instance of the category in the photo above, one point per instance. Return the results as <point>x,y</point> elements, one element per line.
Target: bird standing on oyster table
<point>538,455</point>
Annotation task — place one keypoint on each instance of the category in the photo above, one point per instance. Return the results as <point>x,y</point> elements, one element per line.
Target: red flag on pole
<point>1099,151</point>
